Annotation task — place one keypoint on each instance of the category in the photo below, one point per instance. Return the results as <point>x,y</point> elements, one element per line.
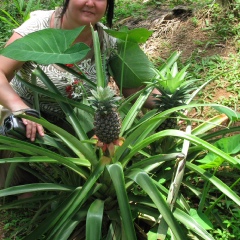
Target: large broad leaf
<point>137,68</point>
<point>229,145</point>
<point>48,46</point>
<point>137,35</point>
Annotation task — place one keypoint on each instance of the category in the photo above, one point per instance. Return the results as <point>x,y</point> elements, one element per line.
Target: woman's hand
<point>32,129</point>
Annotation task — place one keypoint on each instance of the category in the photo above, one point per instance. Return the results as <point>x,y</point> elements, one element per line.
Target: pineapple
<point>107,121</point>
<point>175,89</point>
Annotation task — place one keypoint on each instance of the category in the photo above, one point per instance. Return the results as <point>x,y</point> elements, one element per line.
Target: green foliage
<point>131,66</point>
<point>15,12</point>
<point>126,194</point>
<point>225,23</point>
<point>223,73</point>
<point>33,48</point>
<point>81,186</point>
<point>126,8</point>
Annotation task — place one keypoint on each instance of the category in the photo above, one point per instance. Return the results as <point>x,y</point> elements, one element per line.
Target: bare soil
<point>176,30</point>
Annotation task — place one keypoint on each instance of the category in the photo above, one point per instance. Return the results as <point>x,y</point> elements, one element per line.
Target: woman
<point>15,96</point>
<point>73,14</point>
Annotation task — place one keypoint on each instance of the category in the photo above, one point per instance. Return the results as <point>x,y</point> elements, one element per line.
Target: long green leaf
<point>68,208</point>
<point>70,115</point>
<point>66,230</point>
<point>190,223</point>
<point>169,62</point>
<point>145,208</point>
<point>56,96</point>
<point>72,142</point>
<point>41,151</point>
<point>12,21</point>
<point>132,113</point>
<point>209,124</point>
<point>116,173</point>
<point>101,82</point>
<point>94,220</point>
<point>55,215</point>
<point>35,187</point>
<point>180,134</point>
<point>143,180</point>
<point>78,200</point>
<point>148,162</point>
<point>68,110</point>
<point>44,159</point>
<point>16,204</point>
<point>215,181</point>
<point>139,134</point>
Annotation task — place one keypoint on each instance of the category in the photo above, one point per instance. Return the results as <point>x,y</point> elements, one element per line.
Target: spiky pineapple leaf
<point>48,46</point>
<point>103,98</point>
<point>103,94</point>
<point>101,78</point>
<point>172,79</point>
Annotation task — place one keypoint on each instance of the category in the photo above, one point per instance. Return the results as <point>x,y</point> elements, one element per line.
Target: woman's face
<point>84,12</point>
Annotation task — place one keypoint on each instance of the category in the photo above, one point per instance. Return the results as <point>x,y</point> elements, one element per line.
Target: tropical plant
<point>133,192</point>
<point>174,90</point>
<point>22,12</point>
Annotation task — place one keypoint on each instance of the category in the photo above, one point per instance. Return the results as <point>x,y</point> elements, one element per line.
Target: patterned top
<point>66,83</point>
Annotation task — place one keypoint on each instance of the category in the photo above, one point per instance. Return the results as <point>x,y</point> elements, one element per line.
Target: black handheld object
<point>13,126</point>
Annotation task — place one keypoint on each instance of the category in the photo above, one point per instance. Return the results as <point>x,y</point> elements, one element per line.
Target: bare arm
<point>149,102</point>
<point>8,97</point>
<point>8,67</point>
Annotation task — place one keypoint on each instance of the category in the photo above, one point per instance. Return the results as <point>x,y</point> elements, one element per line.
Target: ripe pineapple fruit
<point>175,89</point>
<point>107,121</point>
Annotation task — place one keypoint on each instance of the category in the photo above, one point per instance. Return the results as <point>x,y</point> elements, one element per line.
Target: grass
<point>16,220</point>
<point>14,12</point>
<point>226,73</point>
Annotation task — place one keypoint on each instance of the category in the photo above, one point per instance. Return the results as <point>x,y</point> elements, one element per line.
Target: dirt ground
<point>175,30</point>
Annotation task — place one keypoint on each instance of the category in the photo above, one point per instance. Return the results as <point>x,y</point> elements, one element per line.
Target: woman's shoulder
<point>38,20</point>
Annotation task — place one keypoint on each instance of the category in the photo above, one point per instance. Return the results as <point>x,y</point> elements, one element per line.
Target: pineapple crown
<point>174,87</point>
<point>104,99</point>
<point>172,80</point>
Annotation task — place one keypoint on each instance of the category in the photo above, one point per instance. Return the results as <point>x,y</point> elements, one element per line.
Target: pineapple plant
<point>107,122</point>
<point>175,88</point>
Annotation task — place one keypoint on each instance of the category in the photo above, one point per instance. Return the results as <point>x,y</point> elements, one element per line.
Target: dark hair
<point>109,11</point>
